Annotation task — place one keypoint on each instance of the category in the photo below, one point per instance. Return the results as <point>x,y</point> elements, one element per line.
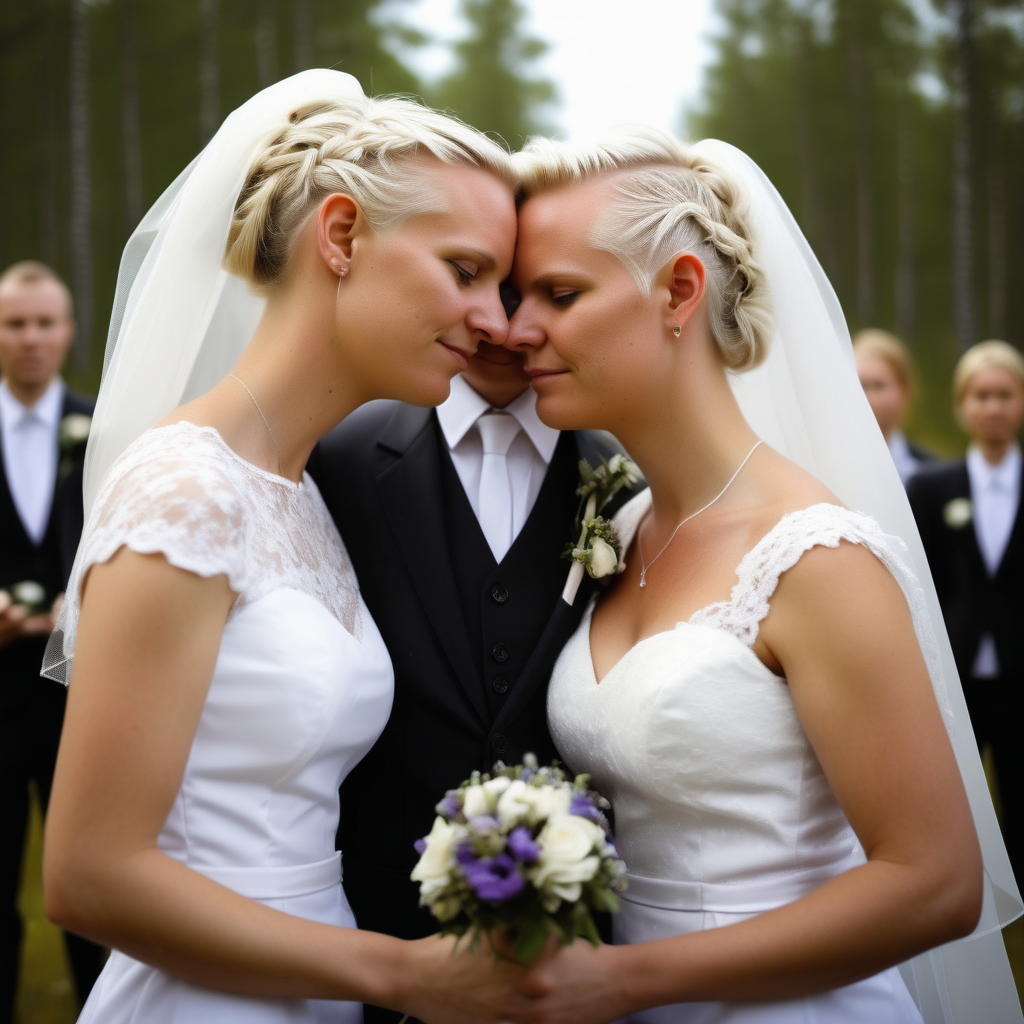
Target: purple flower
<point>583,807</point>
<point>450,806</point>
<point>421,846</point>
<point>465,854</point>
<point>522,846</point>
<point>494,879</point>
<point>484,823</point>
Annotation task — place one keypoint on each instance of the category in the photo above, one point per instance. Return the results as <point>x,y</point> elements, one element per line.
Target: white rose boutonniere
<point>598,550</point>
<point>958,513</point>
<point>72,437</point>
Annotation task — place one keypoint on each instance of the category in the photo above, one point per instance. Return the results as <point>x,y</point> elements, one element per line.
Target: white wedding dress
<point>722,810</point>
<point>301,690</point>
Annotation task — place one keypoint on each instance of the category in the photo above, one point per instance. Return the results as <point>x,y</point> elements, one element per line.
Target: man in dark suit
<point>455,519</point>
<point>42,435</point>
<point>972,523</point>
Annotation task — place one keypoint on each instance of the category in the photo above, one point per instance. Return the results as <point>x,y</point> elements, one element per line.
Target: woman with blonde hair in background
<point>972,524</point>
<point>764,693</point>
<point>886,374</point>
<point>227,674</point>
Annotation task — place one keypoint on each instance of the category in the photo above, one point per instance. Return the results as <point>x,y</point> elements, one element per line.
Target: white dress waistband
<point>733,898</point>
<point>263,883</point>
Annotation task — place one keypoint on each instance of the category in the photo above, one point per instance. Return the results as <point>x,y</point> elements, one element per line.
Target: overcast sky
<point>611,60</point>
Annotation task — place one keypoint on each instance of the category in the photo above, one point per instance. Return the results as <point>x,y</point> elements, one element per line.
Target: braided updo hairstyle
<point>360,146</point>
<point>672,201</point>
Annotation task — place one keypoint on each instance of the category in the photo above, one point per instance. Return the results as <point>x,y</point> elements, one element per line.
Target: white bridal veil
<point>180,321</point>
<point>805,401</point>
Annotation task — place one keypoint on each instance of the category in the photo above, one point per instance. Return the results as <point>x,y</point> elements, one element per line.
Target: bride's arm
<point>840,627</point>
<point>148,638</point>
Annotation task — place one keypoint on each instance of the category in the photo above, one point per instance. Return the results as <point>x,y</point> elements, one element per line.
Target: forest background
<point>893,128</point>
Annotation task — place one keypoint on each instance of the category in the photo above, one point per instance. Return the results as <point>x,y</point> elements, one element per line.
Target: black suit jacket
<point>48,563</point>
<point>380,475</point>
<point>973,603</point>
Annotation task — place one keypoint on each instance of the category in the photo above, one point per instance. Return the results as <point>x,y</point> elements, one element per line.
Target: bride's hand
<point>578,984</point>
<point>456,982</point>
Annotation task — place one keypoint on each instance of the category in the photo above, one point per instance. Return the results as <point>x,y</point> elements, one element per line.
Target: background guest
<point>969,514</point>
<point>887,376</point>
<point>42,439</point>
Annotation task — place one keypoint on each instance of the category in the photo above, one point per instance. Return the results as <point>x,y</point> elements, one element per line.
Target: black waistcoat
<point>506,606</point>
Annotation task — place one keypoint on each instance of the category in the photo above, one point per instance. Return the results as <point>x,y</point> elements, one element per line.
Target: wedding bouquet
<point>524,851</point>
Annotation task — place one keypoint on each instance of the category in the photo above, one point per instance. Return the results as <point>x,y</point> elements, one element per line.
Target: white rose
<point>475,802</point>
<point>495,787</point>
<point>547,802</point>
<point>603,560</point>
<point>433,869</point>
<point>514,803</point>
<point>566,859</point>
<point>957,513</point>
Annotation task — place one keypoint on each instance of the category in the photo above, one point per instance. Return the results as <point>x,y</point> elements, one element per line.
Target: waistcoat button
<point>499,593</point>
<point>500,652</point>
<point>500,684</point>
<point>499,744</point>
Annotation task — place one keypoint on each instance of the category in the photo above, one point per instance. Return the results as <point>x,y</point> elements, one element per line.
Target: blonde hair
<point>671,200</point>
<point>362,147</point>
<point>31,271</point>
<point>978,357</point>
<point>878,344</point>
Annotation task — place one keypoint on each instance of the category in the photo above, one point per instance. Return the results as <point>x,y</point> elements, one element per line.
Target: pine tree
<point>491,86</point>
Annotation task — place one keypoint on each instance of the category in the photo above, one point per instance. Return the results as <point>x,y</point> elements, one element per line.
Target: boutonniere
<point>957,513</point>
<point>72,437</point>
<point>29,595</point>
<point>597,549</point>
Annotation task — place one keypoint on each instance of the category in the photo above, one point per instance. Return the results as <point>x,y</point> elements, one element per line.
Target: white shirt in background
<point>31,456</point>
<point>906,464</point>
<point>995,495</point>
<point>527,458</point>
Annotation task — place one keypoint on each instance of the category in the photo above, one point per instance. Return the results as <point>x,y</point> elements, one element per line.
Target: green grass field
<point>45,994</point>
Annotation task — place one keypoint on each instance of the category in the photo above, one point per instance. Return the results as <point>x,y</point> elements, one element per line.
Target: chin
<point>427,391</point>
<point>561,413</point>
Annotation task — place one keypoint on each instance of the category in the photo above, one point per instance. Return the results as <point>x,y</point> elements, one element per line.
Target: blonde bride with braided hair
<point>224,674</point>
<point>765,692</point>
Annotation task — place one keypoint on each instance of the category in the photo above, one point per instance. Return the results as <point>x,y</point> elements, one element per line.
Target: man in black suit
<point>455,519</point>
<point>42,429</point>
<point>972,523</point>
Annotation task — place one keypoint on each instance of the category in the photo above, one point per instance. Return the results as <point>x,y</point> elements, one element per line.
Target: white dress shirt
<point>995,494</point>
<point>528,456</point>
<point>906,464</point>
<point>31,455</point>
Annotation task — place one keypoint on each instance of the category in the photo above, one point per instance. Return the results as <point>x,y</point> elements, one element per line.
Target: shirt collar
<point>1004,476</point>
<point>47,408</point>
<point>464,406</point>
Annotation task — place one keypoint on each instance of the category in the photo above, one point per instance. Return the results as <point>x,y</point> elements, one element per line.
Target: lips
<point>538,372</point>
<point>460,355</point>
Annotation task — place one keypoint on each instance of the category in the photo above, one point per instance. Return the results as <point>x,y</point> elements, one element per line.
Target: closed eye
<point>563,299</point>
<point>466,272</point>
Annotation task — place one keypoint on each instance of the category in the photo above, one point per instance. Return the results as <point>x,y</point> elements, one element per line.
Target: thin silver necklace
<point>280,464</point>
<point>639,536</point>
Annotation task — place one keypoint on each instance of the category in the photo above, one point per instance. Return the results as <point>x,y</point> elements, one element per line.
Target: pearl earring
<point>677,330</point>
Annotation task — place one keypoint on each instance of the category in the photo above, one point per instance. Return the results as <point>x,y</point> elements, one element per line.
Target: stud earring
<point>677,330</point>
<point>342,272</point>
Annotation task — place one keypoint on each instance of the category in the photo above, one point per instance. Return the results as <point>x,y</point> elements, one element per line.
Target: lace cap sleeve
<point>174,493</point>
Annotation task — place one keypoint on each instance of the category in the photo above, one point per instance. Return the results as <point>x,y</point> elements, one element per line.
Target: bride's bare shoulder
<point>785,487</point>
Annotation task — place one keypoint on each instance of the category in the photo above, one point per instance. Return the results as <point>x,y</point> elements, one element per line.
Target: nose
<point>487,320</point>
<point>524,329</point>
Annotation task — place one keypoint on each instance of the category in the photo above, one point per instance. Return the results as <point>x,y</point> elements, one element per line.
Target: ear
<point>338,222</point>
<point>686,284</point>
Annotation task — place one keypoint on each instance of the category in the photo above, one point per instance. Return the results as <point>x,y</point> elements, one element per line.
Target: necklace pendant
<point>643,579</point>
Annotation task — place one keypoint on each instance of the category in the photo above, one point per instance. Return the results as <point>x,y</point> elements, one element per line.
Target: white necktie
<point>497,431</point>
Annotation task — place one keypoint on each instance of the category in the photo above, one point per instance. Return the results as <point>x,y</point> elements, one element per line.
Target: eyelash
<point>562,301</point>
<point>464,276</point>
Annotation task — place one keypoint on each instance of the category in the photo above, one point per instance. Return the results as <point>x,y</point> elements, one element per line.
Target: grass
<point>45,992</point>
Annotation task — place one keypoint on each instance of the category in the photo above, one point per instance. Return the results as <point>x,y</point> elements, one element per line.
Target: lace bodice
<point>181,491</point>
<point>780,549</point>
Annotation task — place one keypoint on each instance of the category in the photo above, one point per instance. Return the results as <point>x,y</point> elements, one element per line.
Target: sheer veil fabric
<point>180,321</point>
<point>806,401</point>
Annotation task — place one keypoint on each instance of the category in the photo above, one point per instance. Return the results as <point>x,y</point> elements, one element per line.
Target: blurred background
<point>893,128</point>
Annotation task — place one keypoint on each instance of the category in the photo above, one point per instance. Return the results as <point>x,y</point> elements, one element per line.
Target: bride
<point>227,675</point>
<point>787,799</point>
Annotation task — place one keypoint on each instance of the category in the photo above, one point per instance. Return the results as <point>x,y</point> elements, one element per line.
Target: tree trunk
<point>303,14</point>
<point>209,71</point>
<point>996,234</point>
<point>48,157</point>
<point>906,270</point>
<point>130,125</point>
<point>81,184</point>
<point>963,191</point>
<point>865,234</point>
<point>805,138</point>
<point>266,43</point>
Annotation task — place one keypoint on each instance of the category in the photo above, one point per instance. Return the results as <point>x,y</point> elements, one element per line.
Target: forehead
<point>41,297</point>
<point>571,209</point>
<point>994,376</point>
<point>463,192</point>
